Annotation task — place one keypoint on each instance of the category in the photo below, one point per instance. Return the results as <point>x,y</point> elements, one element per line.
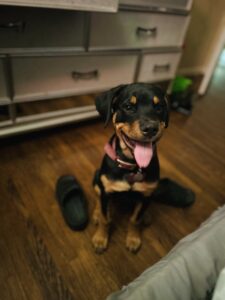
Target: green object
<point>181,84</point>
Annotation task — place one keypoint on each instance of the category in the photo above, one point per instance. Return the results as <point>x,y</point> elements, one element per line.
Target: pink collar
<point>110,150</point>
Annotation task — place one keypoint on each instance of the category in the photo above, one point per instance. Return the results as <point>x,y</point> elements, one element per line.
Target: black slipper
<point>72,202</point>
<point>171,193</point>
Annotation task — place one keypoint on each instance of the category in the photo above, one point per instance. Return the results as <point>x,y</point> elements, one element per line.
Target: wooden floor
<point>41,258</point>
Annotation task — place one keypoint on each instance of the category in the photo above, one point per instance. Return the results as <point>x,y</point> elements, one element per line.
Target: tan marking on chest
<point>146,188</point>
<point>115,185</point>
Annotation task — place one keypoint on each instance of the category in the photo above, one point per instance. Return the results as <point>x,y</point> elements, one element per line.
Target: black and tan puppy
<point>139,113</point>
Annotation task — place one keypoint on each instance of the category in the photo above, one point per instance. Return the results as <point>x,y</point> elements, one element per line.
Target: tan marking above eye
<point>133,100</point>
<point>155,100</point>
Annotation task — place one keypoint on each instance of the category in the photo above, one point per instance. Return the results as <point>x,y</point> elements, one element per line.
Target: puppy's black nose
<point>149,129</point>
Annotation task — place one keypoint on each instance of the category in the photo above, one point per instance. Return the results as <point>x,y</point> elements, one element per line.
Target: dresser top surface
<point>88,5</point>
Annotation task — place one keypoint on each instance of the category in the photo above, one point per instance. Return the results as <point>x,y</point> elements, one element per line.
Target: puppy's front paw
<point>133,243</point>
<point>100,241</point>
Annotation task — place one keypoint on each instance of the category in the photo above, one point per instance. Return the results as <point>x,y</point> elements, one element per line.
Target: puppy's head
<point>139,112</point>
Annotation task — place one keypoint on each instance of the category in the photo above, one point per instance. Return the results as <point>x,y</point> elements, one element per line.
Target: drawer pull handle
<point>85,75</point>
<point>19,26</point>
<point>161,68</point>
<point>150,32</point>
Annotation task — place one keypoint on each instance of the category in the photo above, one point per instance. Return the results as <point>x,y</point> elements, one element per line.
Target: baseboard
<point>199,70</point>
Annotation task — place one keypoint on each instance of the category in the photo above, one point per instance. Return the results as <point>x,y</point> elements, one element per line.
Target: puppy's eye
<point>129,107</point>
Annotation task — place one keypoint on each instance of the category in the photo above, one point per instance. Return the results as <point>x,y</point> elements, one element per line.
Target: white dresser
<point>49,56</point>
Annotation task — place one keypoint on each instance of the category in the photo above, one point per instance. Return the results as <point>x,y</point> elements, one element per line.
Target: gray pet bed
<point>188,272</point>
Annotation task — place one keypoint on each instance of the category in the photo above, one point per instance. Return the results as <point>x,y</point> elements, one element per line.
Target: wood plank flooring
<point>41,258</point>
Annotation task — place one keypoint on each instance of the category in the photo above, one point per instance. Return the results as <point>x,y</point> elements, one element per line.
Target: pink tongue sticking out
<point>143,154</point>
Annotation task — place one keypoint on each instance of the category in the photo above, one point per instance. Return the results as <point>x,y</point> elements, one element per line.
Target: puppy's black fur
<point>140,113</point>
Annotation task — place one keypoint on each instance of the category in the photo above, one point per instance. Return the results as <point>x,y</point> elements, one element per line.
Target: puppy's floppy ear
<point>167,110</point>
<point>106,102</point>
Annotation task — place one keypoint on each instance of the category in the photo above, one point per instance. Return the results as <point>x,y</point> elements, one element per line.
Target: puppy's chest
<point>130,182</point>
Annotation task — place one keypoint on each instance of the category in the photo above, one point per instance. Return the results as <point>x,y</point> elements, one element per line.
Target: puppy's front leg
<point>101,236</point>
<point>144,190</point>
<point>133,239</point>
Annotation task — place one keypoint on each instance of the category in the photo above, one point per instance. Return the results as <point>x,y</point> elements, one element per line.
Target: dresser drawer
<point>156,67</point>
<point>136,30</point>
<point>36,28</point>
<point>3,90</point>
<point>49,77</point>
